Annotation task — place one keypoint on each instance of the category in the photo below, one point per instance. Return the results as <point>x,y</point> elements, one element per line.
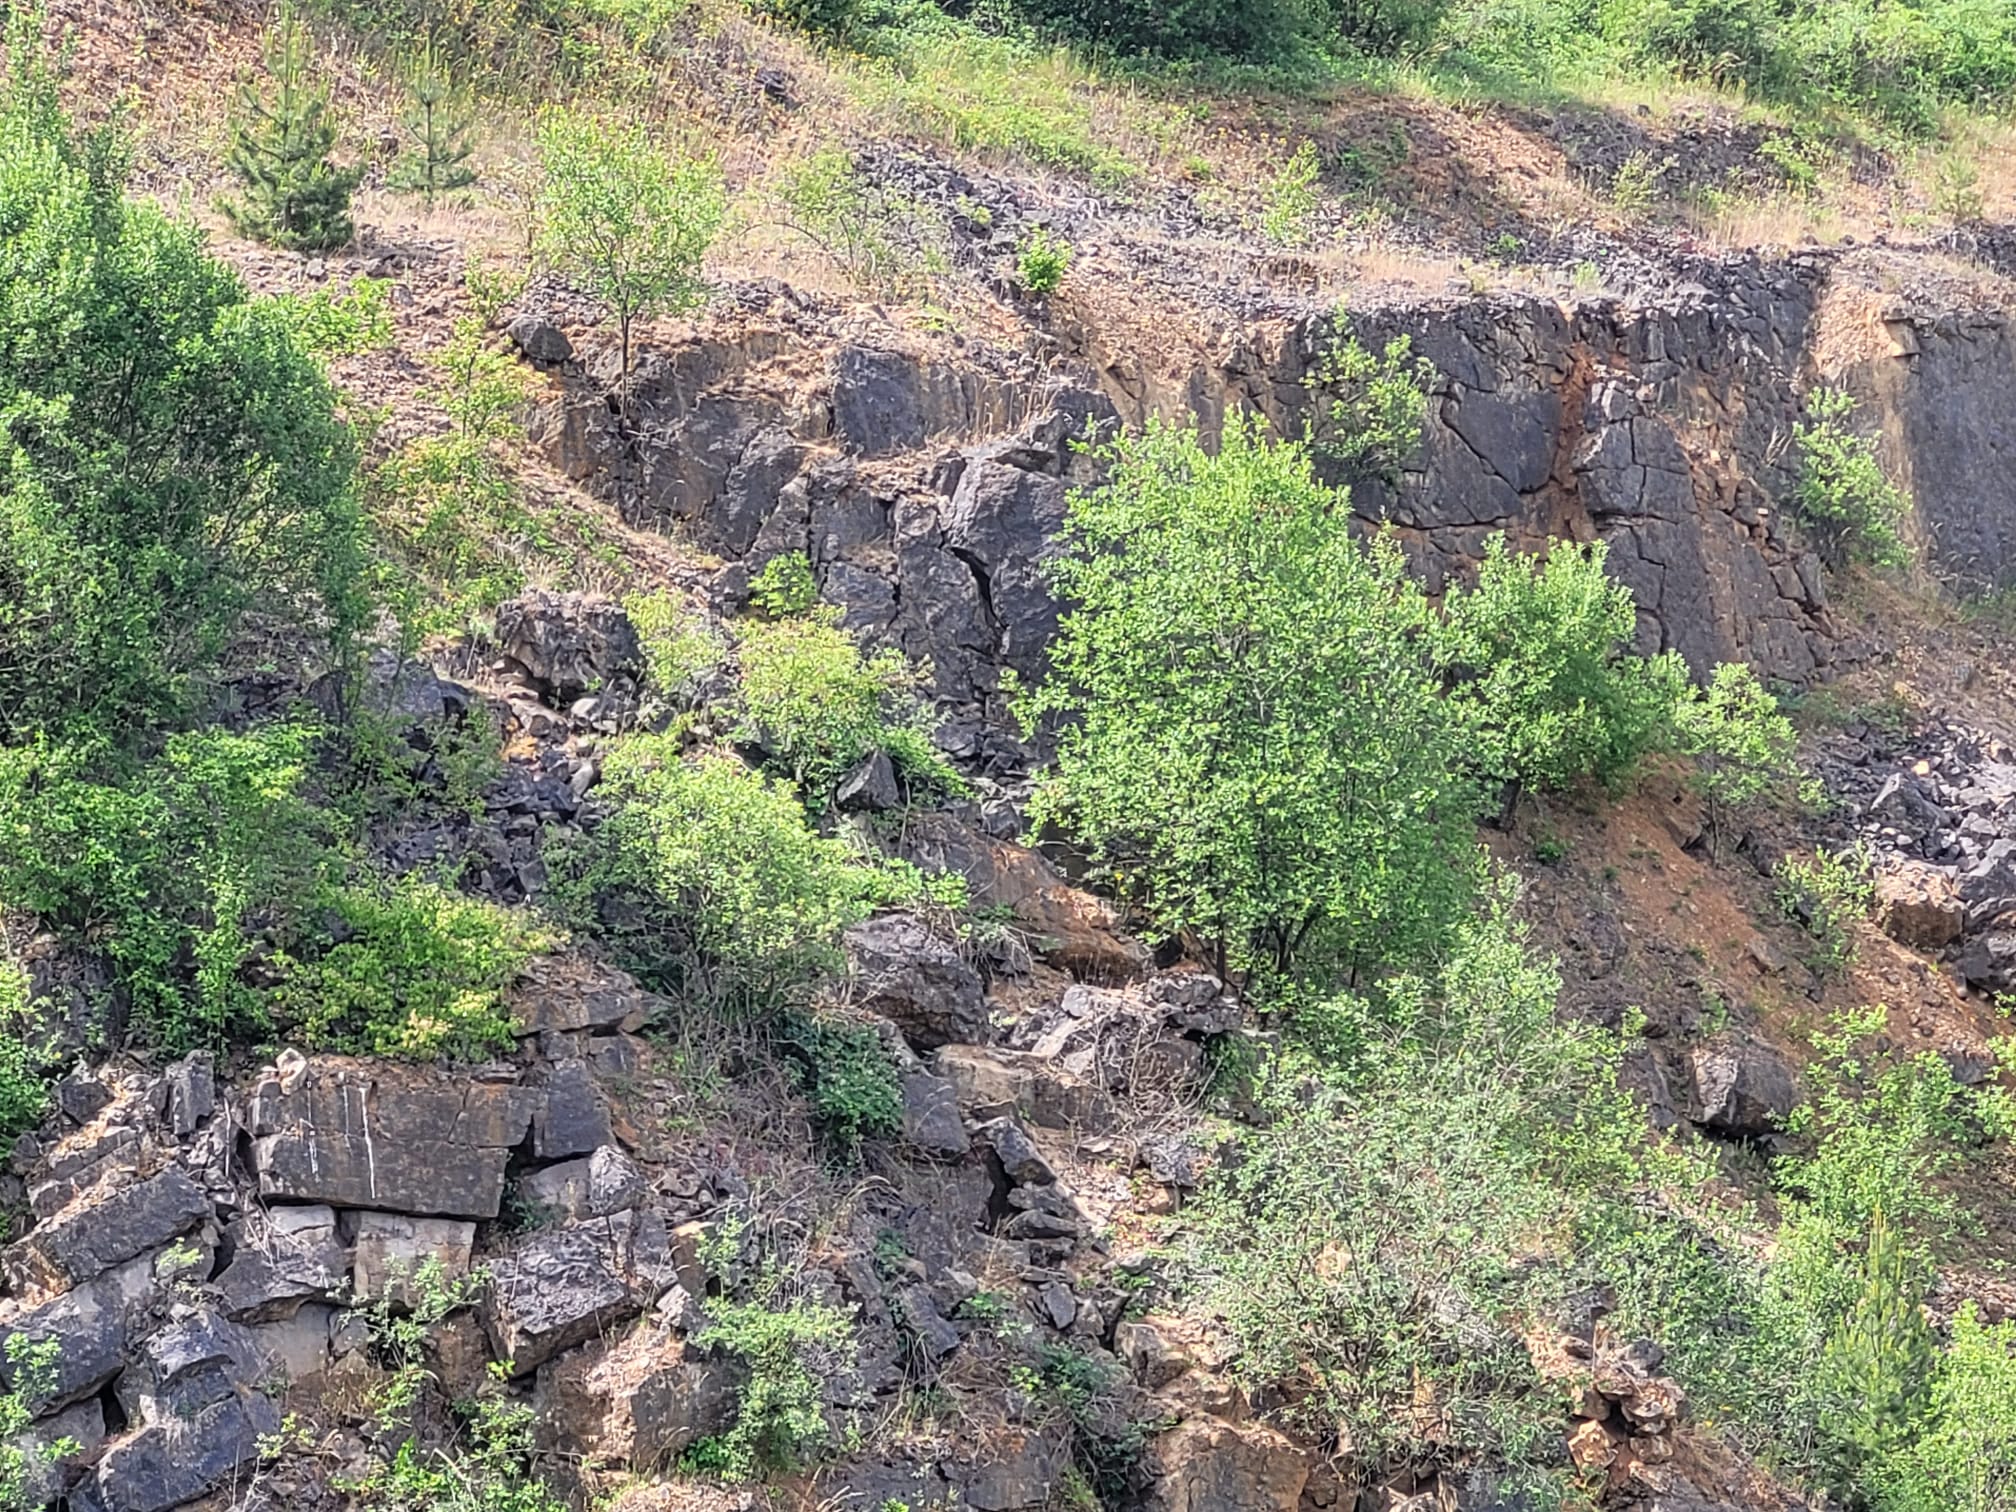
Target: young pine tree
<point>294,196</point>
<point>438,125</point>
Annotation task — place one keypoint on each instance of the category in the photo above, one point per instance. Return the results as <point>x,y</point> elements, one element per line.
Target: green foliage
<point>172,453</point>
<point>1742,745</point>
<point>821,18</point>
<point>401,1319</point>
<point>1964,1458</point>
<point>31,1365</point>
<point>847,1074</point>
<point>1368,413</point>
<point>163,868</point>
<point>707,879</point>
<point>1292,198</point>
<point>1855,512</point>
<point>790,1349</point>
<point>784,587</point>
<point>627,221</point>
<point>1174,28</point>
<point>491,1472</point>
<point>1538,651</point>
<point>452,531</point>
<point>1042,262</point>
<point>437,124</point>
<point>1415,1191</point>
<point>861,224</point>
<point>412,970</point>
<point>293,196</point>
<point>1828,894</point>
<point>1877,1362</point>
<point>1256,747</point>
<point>24,1092</point>
<point>815,706</point>
<point>482,389</point>
<point>681,650</point>
<point>334,324</point>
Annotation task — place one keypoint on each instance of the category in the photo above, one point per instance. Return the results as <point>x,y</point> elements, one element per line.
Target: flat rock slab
<point>88,1239</point>
<point>565,1286</point>
<point>392,1138</point>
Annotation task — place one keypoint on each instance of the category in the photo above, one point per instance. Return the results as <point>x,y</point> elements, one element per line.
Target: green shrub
<point>822,18</point>
<point>293,196</point>
<point>1254,742</point>
<point>166,870</point>
<point>452,532</point>
<point>847,1074</point>
<point>31,1367</point>
<point>1876,1367</point>
<point>1742,745</point>
<point>1042,262</point>
<point>707,879</point>
<point>335,323</point>
<point>24,1090</point>
<point>1856,514</point>
<point>1828,895</point>
<point>1384,28</point>
<point>1539,654</point>
<point>816,706</point>
<point>1254,29</point>
<point>681,650</point>
<point>790,1349</point>
<point>1964,1459</point>
<point>174,460</point>
<point>1292,198</point>
<point>437,123</point>
<point>1368,413</point>
<point>785,588</point>
<point>1411,1201</point>
<point>414,970</point>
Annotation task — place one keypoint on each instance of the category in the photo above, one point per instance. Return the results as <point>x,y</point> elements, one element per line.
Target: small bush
<point>1742,745</point>
<point>415,971</point>
<point>1369,413</point>
<point>1828,895</point>
<point>1539,654</point>
<point>24,1091</point>
<point>816,706</point>
<point>847,1075</point>
<point>681,650</point>
<point>1964,1457</point>
<point>784,588</point>
<point>1855,512</point>
<point>334,323</point>
<point>790,1348</point>
<point>1042,262</point>
<point>708,881</point>
<point>1251,29</point>
<point>1292,199</point>
<point>821,18</point>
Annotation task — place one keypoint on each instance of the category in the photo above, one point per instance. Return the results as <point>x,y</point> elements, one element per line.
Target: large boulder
<point>179,1459</point>
<point>641,1402</point>
<point>1742,1090</point>
<point>281,1257</point>
<point>565,1286</point>
<point>89,1327</point>
<point>1205,1465</point>
<point>1988,961</point>
<point>567,643</point>
<point>393,1138</point>
<point>916,979</point>
<point>88,1238</point>
<point>1919,905</point>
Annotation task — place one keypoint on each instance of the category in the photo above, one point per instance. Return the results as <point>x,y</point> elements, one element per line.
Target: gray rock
<point>871,787</point>
<point>1745,1091</point>
<point>565,1286</point>
<point>614,1182</point>
<point>567,643</point>
<point>43,1474</point>
<point>86,1240</point>
<point>80,1096</point>
<point>192,1093</point>
<point>1017,1472</point>
<point>933,1333</point>
<point>89,1327</point>
<point>1016,1151</point>
<point>179,1459</point>
<point>390,1249</point>
<point>1003,523</point>
<point>900,969</point>
<point>543,343</point>
<point>387,1137</point>
<point>931,1121</point>
<point>571,1119</point>
<point>279,1260</point>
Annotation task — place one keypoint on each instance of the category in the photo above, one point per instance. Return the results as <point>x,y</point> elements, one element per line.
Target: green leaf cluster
<point>790,1348</point>
<point>1844,497</point>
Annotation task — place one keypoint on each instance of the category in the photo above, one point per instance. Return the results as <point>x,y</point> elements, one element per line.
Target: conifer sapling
<point>294,196</point>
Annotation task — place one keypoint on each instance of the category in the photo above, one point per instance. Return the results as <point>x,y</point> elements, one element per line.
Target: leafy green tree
<point>1254,744</point>
<point>627,220</point>
<point>1742,744</point>
<point>293,195</point>
<point>172,457</point>
<point>1369,410</point>
<point>822,18</point>
<point>1964,1460</point>
<point>1855,512</point>
<point>438,125</point>
<point>1539,653</point>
